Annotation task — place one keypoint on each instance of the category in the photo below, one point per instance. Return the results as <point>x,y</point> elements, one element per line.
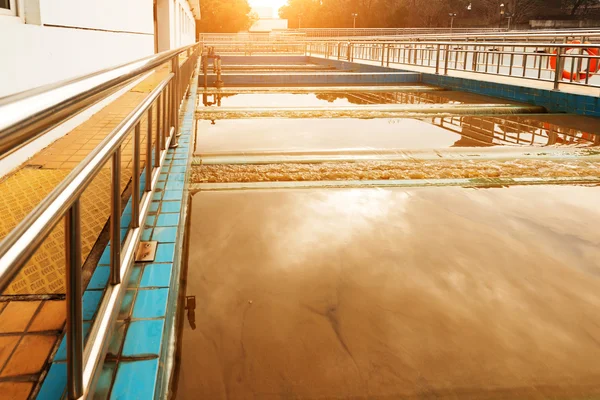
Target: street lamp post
<point>506,15</point>
<point>354,15</point>
<point>452,16</point>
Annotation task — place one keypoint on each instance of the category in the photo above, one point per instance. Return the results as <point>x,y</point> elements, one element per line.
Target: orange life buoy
<point>593,64</point>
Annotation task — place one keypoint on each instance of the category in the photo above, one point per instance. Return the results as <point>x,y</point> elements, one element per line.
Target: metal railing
<point>263,40</point>
<point>249,48</point>
<point>26,116</point>
<point>554,36</point>
<point>573,64</point>
<point>347,32</point>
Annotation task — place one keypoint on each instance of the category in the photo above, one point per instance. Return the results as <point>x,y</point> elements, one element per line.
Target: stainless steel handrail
<point>21,243</point>
<point>26,115</point>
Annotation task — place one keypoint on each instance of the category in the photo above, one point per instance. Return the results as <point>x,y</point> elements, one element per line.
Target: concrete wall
<point>553,101</point>
<point>350,66</point>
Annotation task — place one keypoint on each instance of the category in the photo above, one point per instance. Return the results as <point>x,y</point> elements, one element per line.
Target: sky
<point>275,4</point>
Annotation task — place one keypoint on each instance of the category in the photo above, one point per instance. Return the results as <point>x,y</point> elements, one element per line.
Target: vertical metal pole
<point>135,180</point>
<point>388,55</point>
<point>74,302</point>
<point>512,62</point>
<point>446,59</point>
<point>149,166</point>
<point>159,129</point>
<point>437,59</point>
<point>176,100</point>
<point>166,125</point>
<point>205,69</point>
<point>579,64</point>
<point>115,219</point>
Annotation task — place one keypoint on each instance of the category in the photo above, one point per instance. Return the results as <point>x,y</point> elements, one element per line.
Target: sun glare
<point>274,4</point>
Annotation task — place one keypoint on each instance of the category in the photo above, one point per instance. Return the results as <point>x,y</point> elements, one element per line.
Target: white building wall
<point>134,16</point>
<point>43,55</point>
<point>176,18</point>
<point>54,40</point>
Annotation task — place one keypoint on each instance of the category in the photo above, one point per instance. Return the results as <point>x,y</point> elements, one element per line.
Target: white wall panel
<point>44,55</point>
<point>113,15</point>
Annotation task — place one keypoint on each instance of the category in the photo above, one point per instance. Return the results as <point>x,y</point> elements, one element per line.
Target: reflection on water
<point>523,131</point>
<point>475,131</point>
<point>441,293</point>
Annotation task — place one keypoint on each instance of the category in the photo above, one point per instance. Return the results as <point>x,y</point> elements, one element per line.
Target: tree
<point>425,13</point>
<point>578,7</point>
<point>229,16</point>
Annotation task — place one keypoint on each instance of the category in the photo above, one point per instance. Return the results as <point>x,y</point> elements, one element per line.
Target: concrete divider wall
<point>264,59</point>
<point>317,78</point>
<point>350,66</point>
<point>553,101</point>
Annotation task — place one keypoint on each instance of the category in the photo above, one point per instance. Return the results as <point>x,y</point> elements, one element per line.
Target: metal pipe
<point>115,219</point>
<point>135,180</point>
<point>74,301</point>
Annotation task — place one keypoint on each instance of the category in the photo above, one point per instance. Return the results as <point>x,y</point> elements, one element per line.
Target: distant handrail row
<point>555,36</point>
<point>22,242</point>
<point>534,61</point>
<point>542,61</point>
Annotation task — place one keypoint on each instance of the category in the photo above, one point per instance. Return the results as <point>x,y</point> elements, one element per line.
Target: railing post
<point>446,59</point>
<point>383,54</point>
<point>135,179</point>
<point>437,59</point>
<point>166,125</point>
<point>74,301</point>
<point>149,164</point>
<point>159,129</point>
<point>175,101</point>
<point>559,67</point>
<point>115,219</point>
<point>388,55</point>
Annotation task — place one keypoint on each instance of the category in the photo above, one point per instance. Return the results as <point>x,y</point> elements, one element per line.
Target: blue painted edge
<point>175,171</point>
<point>553,100</point>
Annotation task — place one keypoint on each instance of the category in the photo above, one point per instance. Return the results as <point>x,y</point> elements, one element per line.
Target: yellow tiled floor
<point>26,187</point>
<point>29,331</point>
